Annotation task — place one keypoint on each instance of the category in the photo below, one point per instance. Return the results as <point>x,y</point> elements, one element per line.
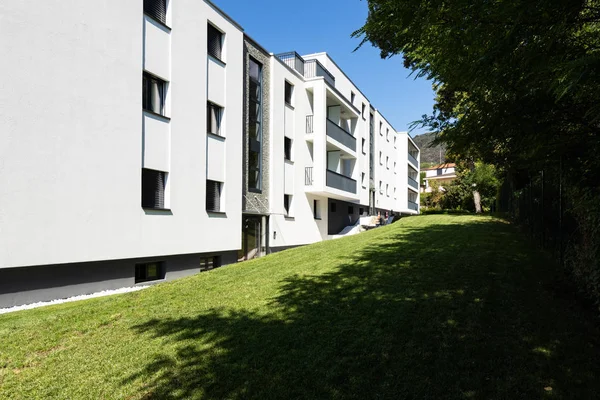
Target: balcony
<point>341,182</point>
<point>413,206</point>
<point>338,133</point>
<point>413,183</point>
<point>413,160</point>
<point>313,68</point>
<point>293,60</point>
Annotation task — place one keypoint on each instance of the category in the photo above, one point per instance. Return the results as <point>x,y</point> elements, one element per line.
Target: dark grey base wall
<point>28,285</point>
<point>340,216</point>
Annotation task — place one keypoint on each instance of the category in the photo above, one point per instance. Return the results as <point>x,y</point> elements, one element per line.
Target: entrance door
<point>251,238</point>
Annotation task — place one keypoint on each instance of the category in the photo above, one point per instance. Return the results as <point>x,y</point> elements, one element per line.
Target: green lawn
<point>432,307</point>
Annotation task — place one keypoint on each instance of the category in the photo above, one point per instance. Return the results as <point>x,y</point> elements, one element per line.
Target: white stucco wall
<point>71,132</point>
<point>289,177</point>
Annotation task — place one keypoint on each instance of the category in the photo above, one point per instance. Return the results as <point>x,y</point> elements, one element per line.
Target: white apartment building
<point>158,141</point>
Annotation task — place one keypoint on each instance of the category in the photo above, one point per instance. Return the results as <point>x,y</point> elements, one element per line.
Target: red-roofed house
<point>442,173</point>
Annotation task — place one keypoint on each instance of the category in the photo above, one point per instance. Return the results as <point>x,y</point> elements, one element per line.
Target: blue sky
<point>312,26</point>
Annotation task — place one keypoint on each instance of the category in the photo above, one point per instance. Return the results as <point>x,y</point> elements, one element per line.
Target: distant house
<point>442,173</point>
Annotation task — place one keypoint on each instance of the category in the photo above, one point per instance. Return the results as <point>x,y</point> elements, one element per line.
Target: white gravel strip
<point>71,299</point>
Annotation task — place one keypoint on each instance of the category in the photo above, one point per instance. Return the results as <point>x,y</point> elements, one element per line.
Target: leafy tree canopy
<point>516,81</point>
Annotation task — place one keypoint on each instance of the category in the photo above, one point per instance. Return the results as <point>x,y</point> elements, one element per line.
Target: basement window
<point>208,263</point>
<point>148,272</point>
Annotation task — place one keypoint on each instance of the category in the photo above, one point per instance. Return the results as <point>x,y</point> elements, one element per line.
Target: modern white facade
<point>123,147</point>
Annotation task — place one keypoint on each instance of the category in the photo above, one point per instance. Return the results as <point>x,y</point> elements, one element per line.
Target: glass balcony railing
<point>413,160</point>
<point>413,183</point>
<point>338,133</point>
<point>341,182</point>
<point>413,206</point>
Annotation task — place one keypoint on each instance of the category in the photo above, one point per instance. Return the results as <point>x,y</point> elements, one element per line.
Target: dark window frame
<point>141,272</point>
<point>214,196</point>
<point>287,204</point>
<point>316,210</point>
<point>352,97</point>
<point>287,148</point>
<point>333,207</point>
<point>350,210</point>
<point>220,111</point>
<point>147,98</point>
<point>157,10</point>
<point>289,94</point>
<point>255,144</point>
<point>150,198</point>
<point>215,42</point>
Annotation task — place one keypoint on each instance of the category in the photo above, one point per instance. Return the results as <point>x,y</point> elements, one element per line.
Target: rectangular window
<point>213,195</point>
<point>255,125</point>
<point>387,162</point>
<point>395,137</point>
<point>380,158</point>
<point>208,263</point>
<point>154,92</point>
<point>361,211</point>
<point>287,148</point>
<point>362,178</point>
<point>215,42</point>
<point>289,93</point>
<point>153,188</point>
<point>317,209</point>
<point>394,192</point>
<point>387,134</point>
<point>380,187</point>
<point>362,113</point>
<point>214,117</point>
<point>147,272</point>
<point>350,210</point>
<point>395,168</point>
<point>157,9</point>
<point>287,204</point>
<point>387,190</point>
<point>381,128</point>
<point>364,146</point>
<point>332,207</point>
<point>352,97</point>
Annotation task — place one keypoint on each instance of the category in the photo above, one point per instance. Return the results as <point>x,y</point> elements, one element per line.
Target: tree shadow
<point>454,311</point>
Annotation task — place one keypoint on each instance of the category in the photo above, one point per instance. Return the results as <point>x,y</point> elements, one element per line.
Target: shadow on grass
<point>451,311</point>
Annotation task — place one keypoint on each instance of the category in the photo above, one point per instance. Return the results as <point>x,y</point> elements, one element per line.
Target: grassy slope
<point>431,307</point>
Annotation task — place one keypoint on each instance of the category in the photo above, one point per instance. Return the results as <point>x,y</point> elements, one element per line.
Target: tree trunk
<point>477,200</point>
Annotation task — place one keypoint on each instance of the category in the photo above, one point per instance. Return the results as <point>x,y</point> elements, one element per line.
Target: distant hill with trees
<point>430,155</point>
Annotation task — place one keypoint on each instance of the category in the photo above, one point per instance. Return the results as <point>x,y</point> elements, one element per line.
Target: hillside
<point>430,155</point>
<point>383,314</point>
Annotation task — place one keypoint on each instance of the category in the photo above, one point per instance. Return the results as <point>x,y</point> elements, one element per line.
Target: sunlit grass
<point>438,306</point>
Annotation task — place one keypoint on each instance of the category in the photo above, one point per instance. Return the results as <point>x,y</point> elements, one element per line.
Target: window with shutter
<point>153,188</point>
<point>157,9</point>
<point>213,196</point>
<point>215,42</point>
